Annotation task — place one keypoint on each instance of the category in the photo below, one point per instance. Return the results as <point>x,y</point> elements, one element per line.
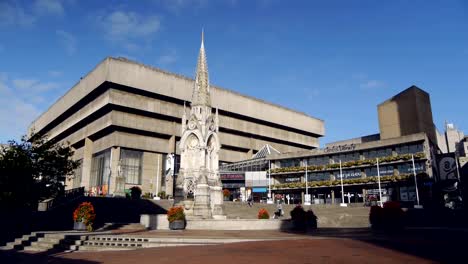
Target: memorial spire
<point>201,89</point>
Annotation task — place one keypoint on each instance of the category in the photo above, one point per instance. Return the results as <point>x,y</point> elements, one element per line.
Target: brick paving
<point>289,251</point>
<point>323,246</point>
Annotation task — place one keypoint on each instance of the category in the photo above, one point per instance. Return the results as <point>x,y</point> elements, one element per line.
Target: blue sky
<point>334,60</point>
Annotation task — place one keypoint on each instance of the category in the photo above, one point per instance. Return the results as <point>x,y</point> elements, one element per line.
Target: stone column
<point>86,166</point>
<point>158,176</point>
<point>114,163</point>
<point>149,174</point>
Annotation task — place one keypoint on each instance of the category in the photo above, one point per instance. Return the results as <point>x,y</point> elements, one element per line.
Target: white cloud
<point>12,14</point>
<point>33,86</point>
<point>45,7</point>
<point>372,84</point>
<point>16,113</point>
<point>166,59</point>
<point>24,84</point>
<point>55,73</point>
<point>177,6</point>
<point>120,25</point>
<point>366,83</point>
<point>68,40</point>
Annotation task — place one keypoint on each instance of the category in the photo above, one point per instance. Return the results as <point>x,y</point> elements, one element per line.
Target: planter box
<point>79,226</point>
<point>177,225</point>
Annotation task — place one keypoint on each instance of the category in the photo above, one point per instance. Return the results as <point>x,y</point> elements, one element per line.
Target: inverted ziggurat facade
<point>124,121</point>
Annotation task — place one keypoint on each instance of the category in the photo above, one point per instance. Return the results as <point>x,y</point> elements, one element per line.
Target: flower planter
<point>177,225</point>
<point>81,226</point>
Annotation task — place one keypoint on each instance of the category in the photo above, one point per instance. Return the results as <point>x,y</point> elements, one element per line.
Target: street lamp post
<point>380,188</point>
<point>415,183</point>
<point>270,200</point>
<point>342,204</point>
<point>307,196</point>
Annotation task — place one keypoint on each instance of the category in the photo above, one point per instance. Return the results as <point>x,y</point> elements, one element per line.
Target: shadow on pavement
<point>11,256</point>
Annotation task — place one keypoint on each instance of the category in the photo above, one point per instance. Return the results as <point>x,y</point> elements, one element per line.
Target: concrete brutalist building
<point>124,118</point>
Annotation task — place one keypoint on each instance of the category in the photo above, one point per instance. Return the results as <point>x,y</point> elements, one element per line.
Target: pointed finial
<point>202,34</point>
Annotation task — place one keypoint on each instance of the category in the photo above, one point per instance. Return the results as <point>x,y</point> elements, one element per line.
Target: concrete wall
<point>149,121</point>
<point>153,80</point>
<point>407,113</point>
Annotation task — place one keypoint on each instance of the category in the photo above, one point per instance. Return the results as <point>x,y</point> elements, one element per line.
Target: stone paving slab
<point>265,252</point>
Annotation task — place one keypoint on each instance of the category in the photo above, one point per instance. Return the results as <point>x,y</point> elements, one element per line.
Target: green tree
<point>33,169</point>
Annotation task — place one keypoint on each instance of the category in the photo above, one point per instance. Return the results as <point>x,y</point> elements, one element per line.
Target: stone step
<point>131,246</point>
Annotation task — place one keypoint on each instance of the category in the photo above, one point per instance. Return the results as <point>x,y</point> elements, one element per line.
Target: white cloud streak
<point>167,59</point>
<point>68,40</point>
<point>46,7</point>
<point>120,25</point>
<point>16,112</point>
<point>12,13</point>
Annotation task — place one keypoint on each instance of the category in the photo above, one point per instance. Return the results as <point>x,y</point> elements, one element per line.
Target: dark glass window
<point>290,163</point>
<point>409,149</point>
<point>100,169</point>
<point>131,165</point>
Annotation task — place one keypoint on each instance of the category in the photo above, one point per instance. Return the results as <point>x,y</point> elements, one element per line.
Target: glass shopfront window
<point>131,165</point>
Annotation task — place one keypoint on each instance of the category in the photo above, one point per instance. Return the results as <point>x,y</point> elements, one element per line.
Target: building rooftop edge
<point>211,85</point>
<point>306,153</point>
<point>123,59</point>
<point>402,92</point>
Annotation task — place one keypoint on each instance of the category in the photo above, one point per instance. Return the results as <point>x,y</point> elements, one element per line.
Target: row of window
<point>130,167</point>
<point>353,156</point>
<point>358,173</point>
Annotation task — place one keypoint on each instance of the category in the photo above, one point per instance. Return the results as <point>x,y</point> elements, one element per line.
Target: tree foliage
<point>33,169</point>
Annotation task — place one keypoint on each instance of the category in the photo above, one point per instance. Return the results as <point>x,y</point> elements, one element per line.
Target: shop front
<point>235,183</point>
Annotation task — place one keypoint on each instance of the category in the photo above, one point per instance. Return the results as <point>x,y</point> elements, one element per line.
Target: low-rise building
<point>406,146</point>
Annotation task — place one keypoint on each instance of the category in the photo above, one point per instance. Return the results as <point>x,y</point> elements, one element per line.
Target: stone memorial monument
<point>198,185</point>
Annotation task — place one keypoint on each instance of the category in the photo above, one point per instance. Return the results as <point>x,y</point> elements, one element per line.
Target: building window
<point>346,157</point>
<point>384,171</point>
<point>131,165</point>
<point>408,167</point>
<point>321,160</point>
<point>348,174</point>
<point>100,169</point>
<point>318,176</point>
<point>409,149</point>
<point>377,153</point>
<point>290,163</point>
<point>77,175</point>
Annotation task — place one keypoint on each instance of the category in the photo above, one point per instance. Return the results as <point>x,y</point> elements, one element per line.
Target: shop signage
<point>340,148</point>
<point>297,179</point>
<point>259,190</point>
<point>232,176</point>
